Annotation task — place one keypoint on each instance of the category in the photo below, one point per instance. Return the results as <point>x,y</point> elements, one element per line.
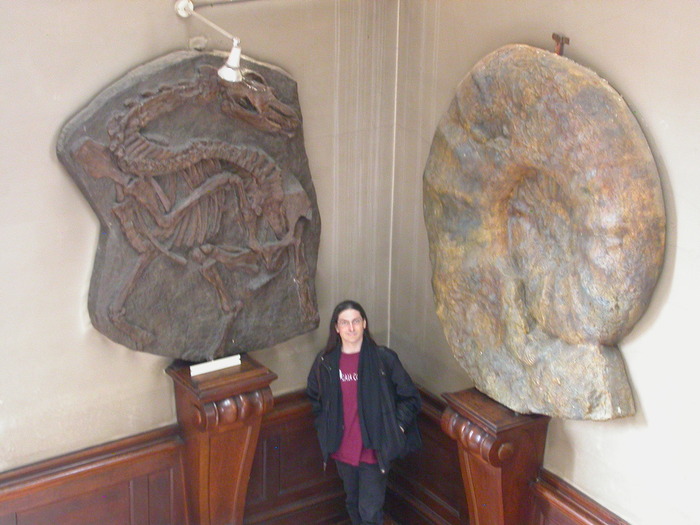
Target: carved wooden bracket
<point>220,414</point>
<point>500,455</point>
<point>236,409</point>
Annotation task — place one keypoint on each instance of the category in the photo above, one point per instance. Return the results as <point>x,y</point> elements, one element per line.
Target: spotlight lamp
<point>231,70</point>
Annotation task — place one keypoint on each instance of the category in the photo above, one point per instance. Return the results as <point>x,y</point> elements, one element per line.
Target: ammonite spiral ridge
<point>546,225</point>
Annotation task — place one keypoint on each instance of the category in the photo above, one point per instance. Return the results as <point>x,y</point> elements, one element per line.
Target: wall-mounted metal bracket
<point>561,41</point>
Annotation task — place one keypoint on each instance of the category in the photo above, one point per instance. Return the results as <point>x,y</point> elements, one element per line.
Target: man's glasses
<point>344,323</point>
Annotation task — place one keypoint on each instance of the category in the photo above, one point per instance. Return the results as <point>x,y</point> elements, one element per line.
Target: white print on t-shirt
<point>348,377</point>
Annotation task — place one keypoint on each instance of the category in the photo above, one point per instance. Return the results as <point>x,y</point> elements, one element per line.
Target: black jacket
<point>388,403</point>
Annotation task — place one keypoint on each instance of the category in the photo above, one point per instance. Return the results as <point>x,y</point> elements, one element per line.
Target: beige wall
<point>65,386</point>
<point>641,467</point>
<point>368,131</point>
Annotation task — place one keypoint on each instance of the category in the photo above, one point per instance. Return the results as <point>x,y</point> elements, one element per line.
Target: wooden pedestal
<point>220,414</point>
<point>500,455</point>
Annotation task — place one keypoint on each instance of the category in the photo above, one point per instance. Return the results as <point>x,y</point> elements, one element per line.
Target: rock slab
<point>209,227</point>
<point>546,227</point>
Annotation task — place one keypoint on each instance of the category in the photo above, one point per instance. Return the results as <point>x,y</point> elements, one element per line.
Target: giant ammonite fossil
<point>546,226</point>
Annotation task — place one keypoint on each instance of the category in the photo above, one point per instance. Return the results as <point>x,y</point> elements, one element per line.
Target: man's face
<point>350,326</point>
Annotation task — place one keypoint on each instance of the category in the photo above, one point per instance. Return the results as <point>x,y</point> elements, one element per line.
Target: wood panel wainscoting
<point>287,483</point>
<point>425,487</point>
<point>558,503</point>
<point>133,481</point>
<point>289,487</point>
<point>139,481</point>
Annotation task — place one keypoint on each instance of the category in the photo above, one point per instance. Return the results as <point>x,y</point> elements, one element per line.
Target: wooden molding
<point>560,503</point>
<point>137,476</point>
<point>220,414</point>
<point>500,454</point>
<point>142,477</point>
<point>426,486</point>
<point>288,484</point>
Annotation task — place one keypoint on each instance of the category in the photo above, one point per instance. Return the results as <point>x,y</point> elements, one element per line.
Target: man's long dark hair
<point>333,336</point>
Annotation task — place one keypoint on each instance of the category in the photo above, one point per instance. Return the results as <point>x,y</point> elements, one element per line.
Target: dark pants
<point>365,487</point>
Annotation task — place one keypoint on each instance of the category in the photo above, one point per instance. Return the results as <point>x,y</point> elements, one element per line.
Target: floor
<point>387,521</point>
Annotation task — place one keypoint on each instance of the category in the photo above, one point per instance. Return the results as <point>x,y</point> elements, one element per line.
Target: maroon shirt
<point>351,450</point>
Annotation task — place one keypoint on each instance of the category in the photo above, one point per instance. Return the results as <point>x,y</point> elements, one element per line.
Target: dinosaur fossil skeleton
<point>175,200</point>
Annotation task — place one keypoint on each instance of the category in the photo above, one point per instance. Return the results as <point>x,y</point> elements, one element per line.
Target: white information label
<point>213,366</point>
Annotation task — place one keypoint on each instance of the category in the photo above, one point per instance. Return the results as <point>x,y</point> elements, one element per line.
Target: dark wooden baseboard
<point>133,481</point>
<point>288,484</point>
<point>558,503</point>
<point>426,487</point>
<point>139,480</point>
